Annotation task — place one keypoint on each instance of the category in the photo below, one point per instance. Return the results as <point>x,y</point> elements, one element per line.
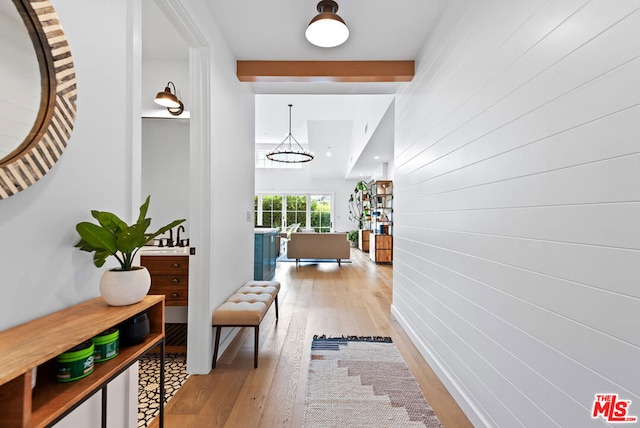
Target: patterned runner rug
<point>175,374</point>
<point>362,382</point>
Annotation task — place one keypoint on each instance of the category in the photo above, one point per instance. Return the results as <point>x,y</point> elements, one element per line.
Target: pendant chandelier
<point>288,153</point>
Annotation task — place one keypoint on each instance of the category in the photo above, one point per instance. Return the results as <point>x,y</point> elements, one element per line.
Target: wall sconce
<point>170,100</point>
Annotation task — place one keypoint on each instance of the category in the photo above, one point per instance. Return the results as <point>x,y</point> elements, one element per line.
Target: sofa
<point>318,246</point>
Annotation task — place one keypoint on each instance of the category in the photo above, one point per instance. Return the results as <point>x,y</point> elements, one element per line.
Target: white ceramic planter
<point>121,288</point>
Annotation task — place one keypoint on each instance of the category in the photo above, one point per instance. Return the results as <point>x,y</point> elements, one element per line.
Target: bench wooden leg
<point>255,352</point>
<point>339,262</point>
<point>215,349</point>
<point>276,301</point>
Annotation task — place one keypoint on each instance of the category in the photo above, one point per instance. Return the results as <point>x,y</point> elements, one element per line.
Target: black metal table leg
<point>104,407</point>
<point>162,346</point>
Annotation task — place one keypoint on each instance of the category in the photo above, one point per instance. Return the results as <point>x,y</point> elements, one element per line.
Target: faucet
<point>180,244</point>
<point>170,240</point>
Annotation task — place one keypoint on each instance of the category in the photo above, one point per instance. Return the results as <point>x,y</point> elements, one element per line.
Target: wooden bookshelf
<point>381,246</point>
<point>363,239</point>
<point>37,344</point>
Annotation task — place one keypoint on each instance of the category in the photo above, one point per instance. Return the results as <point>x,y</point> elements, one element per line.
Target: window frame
<point>259,213</point>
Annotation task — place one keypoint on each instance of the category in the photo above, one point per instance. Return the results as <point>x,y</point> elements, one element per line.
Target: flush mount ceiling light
<point>169,100</point>
<point>327,29</point>
<point>288,153</point>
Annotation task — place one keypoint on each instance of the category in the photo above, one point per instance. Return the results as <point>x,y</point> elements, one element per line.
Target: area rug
<point>175,374</point>
<point>357,381</point>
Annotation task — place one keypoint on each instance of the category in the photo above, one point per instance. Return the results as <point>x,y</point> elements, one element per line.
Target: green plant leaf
<point>97,237</point>
<point>164,229</point>
<point>143,210</point>
<point>114,237</point>
<point>362,185</point>
<point>132,237</point>
<point>100,257</point>
<point>84,246</point>
<point>109,220</point>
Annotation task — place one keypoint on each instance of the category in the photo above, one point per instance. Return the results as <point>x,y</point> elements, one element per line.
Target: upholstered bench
<point>246,308</point>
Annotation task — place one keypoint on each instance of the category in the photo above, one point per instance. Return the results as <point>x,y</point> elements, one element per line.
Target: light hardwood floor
<point>314,299</point>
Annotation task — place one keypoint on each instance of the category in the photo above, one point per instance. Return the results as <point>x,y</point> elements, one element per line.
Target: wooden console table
<point>37,344</point>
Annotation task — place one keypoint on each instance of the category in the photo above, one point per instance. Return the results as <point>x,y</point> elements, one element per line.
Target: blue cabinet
<point>264,254</point>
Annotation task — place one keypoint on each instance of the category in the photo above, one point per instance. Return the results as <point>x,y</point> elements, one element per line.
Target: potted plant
<point>358,212</point>
<point>127,284</point>
<point>353,237</point>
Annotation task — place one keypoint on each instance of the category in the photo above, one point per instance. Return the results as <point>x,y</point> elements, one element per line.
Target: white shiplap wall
<point>517,208</point>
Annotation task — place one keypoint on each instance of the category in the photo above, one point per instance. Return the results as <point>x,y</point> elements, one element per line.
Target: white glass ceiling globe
<point>327,33</point>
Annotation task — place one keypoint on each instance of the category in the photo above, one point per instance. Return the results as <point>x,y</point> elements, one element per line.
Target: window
<point>321,213</point>
<point>271,211</point>
<point>296,210</point>
<point>310,211</point>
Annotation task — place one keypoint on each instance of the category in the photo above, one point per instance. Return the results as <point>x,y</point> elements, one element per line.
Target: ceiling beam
<point>325,71</point>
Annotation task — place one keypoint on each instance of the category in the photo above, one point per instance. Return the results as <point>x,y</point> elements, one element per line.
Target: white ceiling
<point>330,123</point>
<point>379,30</point>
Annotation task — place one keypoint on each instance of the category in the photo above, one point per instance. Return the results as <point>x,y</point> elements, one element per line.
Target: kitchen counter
<point>164,251</point>
<point>263,230</point>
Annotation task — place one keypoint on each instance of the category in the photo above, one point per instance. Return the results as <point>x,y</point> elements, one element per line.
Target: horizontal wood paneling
<point>552,294</point>
<point>516,205</point>
<point>605,268</point>
<point>491,136</point>
<point>448,345</point>
<point>528,27</point>
<point>470,297</point>
<point>552,66</point>
<point>534,178</point>
<point>578,224</point>
<point>539,376</point>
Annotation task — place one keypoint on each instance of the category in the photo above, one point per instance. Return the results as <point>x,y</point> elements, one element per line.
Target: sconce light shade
<point>170,100</point>
<point>327,29</point>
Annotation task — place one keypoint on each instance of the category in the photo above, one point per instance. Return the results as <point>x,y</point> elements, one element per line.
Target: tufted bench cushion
<point>265,286</point>
<point>247,294</point>
<point>245,308</point>
<point>240,313</point>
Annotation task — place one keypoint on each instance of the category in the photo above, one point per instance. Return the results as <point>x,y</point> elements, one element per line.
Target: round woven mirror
<point>49,126</point>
